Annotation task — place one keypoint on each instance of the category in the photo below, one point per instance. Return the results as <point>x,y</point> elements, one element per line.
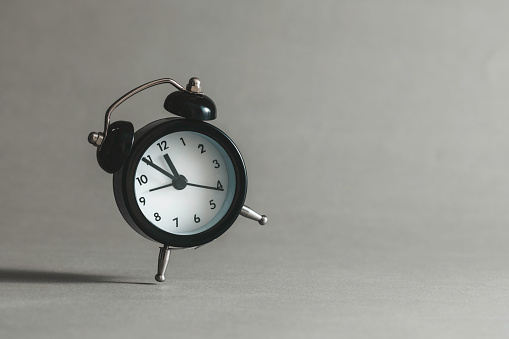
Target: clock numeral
<point>219,185</point>
<point>212,204</point>
<point>176,222</point>
<point>196,219</point>
<point>149,158</point>
<point>157,216</point>
<point>217,164</point>
<point>162,145</point>
<point>182,139</point>
<point>142,200</point>
<point>202,148</point>
<point>142,180</point>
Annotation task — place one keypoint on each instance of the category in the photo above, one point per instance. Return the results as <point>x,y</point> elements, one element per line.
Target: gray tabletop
<point>375,138</point>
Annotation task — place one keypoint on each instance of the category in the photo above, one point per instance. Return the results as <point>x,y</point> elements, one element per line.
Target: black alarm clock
<point>178,181</point>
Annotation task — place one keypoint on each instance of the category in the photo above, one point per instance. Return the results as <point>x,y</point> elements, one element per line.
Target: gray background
<point>375,135</point>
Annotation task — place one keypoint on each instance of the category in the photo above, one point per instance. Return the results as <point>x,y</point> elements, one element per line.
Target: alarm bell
<point>192,103</point>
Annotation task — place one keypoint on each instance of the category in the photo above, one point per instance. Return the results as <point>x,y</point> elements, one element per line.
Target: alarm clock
<point>178,181</point>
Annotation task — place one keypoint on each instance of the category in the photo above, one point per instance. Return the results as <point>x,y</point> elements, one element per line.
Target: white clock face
<point>184,183</point>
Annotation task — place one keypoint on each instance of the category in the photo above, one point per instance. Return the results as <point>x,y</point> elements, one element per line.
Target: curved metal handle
<point>96,138</point>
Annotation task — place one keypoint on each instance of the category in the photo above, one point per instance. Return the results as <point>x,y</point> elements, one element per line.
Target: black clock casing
<point>123,182</point>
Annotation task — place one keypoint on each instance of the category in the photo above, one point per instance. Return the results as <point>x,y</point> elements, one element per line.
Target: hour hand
<point>172,167</point>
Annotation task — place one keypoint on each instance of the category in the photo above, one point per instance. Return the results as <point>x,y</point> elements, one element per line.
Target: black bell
<point>115,149</point>
<point>190,106</point>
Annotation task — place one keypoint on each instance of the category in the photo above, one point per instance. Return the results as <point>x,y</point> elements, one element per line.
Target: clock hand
<point>151,164</point>
<point>184,185</point>
<point>158,188</point>
<point>170,163</point>
<point>209,187</point>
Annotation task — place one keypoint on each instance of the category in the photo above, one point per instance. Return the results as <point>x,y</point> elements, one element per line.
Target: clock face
<point>184,183</point>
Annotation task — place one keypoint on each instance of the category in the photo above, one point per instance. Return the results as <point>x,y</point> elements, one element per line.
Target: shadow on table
<point>49,277</point>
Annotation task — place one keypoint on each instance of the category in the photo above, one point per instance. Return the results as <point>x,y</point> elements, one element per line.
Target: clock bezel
<point>123,183</point>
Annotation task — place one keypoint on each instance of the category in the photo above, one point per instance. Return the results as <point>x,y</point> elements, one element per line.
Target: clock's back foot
<point>251,214</point>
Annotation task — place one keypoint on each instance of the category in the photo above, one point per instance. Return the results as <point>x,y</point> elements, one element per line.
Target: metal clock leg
<point>251,214</point>
<point>162,262</point>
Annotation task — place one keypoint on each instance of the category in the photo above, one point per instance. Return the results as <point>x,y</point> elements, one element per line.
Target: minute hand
<point>151,164</point>
<point>208,187</point>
